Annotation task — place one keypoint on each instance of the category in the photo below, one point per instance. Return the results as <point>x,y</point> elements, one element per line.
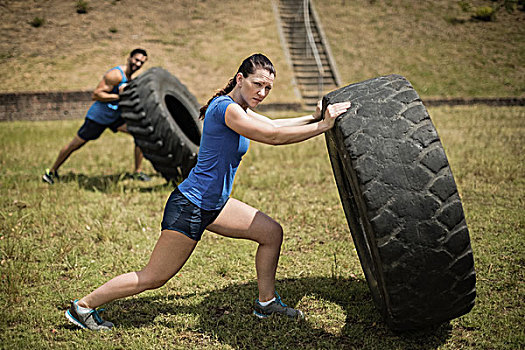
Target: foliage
<point>487,13</point>
<point>465,6</point>
<point>82,6</point>
<point>484,13</point>
<point>37,22</point>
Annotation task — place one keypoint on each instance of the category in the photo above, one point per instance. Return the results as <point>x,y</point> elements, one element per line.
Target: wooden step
<point>306,51</point>
<point>313,88</point>
<point>308,69</point>
<point>327,76</point>
<point>300,43</point>
<point>303,61</point>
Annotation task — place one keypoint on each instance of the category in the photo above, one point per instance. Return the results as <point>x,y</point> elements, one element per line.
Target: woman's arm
<point>297,121</point>
<point>268,131</point>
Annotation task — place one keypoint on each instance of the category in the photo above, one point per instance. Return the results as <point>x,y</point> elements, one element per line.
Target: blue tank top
<point>221,149</point>
<point>106,113</point>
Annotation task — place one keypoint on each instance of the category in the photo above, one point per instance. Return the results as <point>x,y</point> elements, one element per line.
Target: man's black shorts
<point>91,130</point>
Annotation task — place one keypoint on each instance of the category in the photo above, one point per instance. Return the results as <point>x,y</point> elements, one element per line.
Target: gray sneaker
<point>90,320</point>
<point>276,307</point>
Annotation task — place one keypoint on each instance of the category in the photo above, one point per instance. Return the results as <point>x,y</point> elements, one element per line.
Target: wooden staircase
<point>307,50</point>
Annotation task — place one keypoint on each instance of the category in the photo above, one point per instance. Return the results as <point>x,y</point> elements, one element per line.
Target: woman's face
<point>255,87</point>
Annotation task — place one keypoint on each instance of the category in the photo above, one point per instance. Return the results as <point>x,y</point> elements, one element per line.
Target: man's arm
<point>102,92</point>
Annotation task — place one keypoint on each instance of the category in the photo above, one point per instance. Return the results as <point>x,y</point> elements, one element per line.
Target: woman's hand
<point>318,111</point>
<point>333,111</point>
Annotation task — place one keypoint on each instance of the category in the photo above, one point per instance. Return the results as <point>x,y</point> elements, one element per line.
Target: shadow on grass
<point>109,183</point>
<point>226,315</point>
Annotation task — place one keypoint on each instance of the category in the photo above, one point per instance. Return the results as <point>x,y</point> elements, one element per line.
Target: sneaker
<point>50,177</point>
<point>90,320</point>
<point>141,176</point>
<point>276,307</point>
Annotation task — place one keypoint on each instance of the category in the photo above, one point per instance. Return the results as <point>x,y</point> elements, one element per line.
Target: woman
<point>202,200</point>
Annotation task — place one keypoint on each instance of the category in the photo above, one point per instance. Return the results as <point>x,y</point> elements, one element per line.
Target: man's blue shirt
<point>106,113</point>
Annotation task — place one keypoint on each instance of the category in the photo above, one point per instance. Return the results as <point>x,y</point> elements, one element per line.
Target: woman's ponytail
<point>226,90</point>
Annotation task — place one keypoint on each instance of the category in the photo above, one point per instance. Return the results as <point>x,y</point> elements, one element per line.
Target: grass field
<point>59,242</point>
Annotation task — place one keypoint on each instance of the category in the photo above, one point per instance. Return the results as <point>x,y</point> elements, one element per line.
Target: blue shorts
<point>92,130</point>
<point>181,215</point>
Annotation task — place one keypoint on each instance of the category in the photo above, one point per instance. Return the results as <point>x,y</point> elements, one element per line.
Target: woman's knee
<point>148,281</point>
<point>273,234</point>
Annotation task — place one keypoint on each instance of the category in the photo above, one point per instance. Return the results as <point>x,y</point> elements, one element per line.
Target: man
<point>104,113</point>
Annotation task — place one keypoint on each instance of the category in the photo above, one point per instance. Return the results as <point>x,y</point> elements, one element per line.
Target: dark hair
<point>248,66</point>
<point>138,50</point>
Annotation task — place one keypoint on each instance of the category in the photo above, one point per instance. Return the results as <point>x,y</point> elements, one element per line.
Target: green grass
<point>59,242</point>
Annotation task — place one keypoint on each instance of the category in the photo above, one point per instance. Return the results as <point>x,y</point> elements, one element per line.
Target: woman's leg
<point>239,220</point>
<point>169,255</point>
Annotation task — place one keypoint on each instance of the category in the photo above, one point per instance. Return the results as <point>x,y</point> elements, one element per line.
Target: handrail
<point>325,45</point>
<point>313,46</point>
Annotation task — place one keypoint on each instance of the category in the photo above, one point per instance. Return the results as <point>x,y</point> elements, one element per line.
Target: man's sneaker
<point>141,176</point>
<point>276,307</point>
<point>90,320</point>
<point>50,177</point>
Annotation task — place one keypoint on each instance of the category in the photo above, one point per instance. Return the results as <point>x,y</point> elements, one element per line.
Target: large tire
<point>402,204</point>
<point>163,117</point>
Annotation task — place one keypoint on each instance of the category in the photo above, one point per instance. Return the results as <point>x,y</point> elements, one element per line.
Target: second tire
<point>163,117</point>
